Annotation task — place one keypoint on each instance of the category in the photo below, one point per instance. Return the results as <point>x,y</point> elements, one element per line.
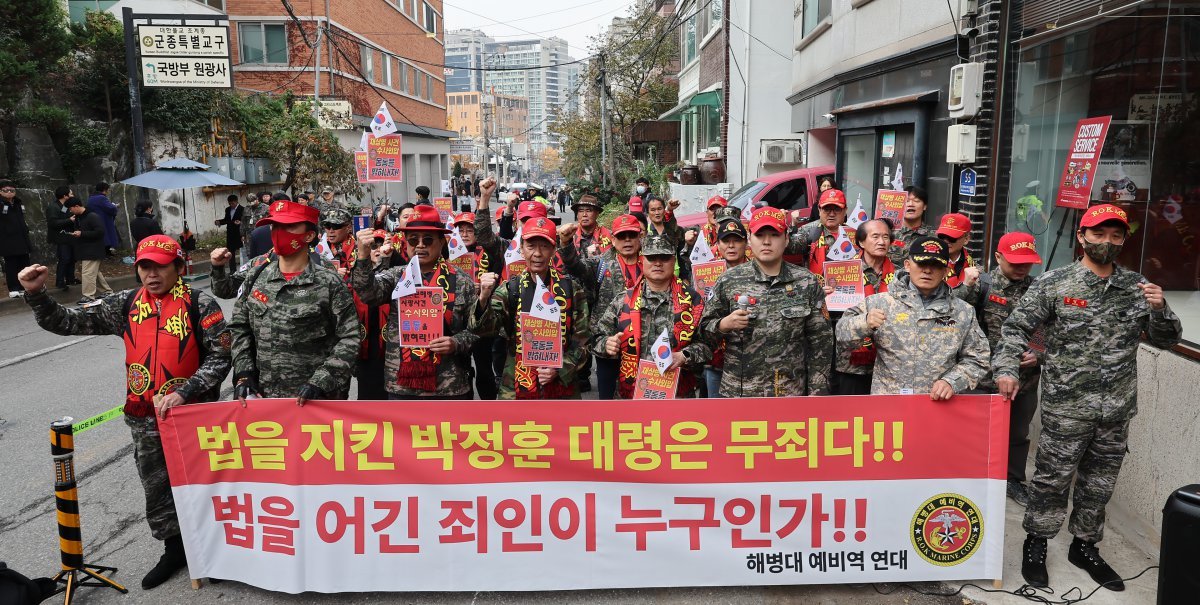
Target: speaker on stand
<point>1179,553</point>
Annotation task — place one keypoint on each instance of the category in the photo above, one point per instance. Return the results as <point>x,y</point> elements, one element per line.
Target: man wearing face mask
<point>1093,313</point>
<point>295,329</point>
<point>641,187</point>
<point>227,284</point>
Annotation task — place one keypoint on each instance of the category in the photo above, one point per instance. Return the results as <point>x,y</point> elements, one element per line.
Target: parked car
<point>790,190</point>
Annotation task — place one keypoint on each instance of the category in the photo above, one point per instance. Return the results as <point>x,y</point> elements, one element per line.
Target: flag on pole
<point>701,252</point>
<point>857,216</point>
<point>364,141</point>
<point>747,212</point>
<point>544,305</point>
<point>383,124</point>
<point>407,286</point>
<point>662,351</point>
<point>898,182</point>
<point>457,247</point>
<point>513,253</point>
<point>841,248</point>
<point>323,248</point>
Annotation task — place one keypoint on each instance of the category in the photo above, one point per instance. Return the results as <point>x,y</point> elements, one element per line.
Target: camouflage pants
<point>152,469</point>
<point>1091,451</point>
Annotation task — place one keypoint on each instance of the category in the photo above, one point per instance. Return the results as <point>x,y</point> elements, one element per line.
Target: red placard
<point>362,167</point>
<point>421,317</point>
<point>846,279</point>
<point>1083,158</point>
<point>652,385</point>
<point>384,159</point>
<point>445,207</point>
<point>704,275</point>
<point>516,267</point>
<point>466,265</point>
<point>541,342</point>
<point>890,205</point>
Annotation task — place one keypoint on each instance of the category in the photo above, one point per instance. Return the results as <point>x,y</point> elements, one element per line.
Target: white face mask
<point>641,190</point>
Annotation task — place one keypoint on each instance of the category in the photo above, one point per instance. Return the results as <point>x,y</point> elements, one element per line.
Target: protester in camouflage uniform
<point>926,341</point>
<point>326,203</point>
<point>295,329</point>
<point>661,301</point>
<point>821,233</point>
<point>1093,313</point>
<point>441,370</point>
<point>912,225</point>
<point>225,284</point>
<point>994,295</point>
<point>855,363</point>
<point>731,247</point>
<point>502,305</point>
<point>771,315</point>
<point>590,233</point>
<point>177,352</point>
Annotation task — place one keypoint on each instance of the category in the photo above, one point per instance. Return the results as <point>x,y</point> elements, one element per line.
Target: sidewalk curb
<point>13,306</point>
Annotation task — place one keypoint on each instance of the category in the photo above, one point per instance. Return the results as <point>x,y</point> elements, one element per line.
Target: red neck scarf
<point>954,276</point>
<point>600,236</point>
<point>709,231</point>
<point>525,380</point>
<point>418,366</point>
<point>632,271</point>
<point>161,351</point>
<point>685,310</point>
<point>885,276</point>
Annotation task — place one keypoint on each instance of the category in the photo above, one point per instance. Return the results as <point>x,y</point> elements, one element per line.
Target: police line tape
<point>97,420</point>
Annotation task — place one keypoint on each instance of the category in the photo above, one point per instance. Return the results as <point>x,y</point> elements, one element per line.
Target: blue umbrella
<point>179,173</point>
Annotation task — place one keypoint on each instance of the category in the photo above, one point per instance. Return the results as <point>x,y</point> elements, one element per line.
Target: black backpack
<point>16,589</point>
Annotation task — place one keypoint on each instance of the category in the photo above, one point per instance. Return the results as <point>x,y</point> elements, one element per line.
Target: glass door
<point>858,174</point>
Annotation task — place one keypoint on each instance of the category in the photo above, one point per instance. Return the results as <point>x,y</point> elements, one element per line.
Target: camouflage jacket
<point>902,237</point>
<point>250,215</point>
<point>324,207</point>
<point>1003,295</point>
<point>109,318</point>
<point>499,316</point>
<point>787,351</point>
<point>600,275</point>
<point>1091,327</point>
<point>374,286</point>
<point>228,285</point>
<point>921,341</point>
<point>289,333</point>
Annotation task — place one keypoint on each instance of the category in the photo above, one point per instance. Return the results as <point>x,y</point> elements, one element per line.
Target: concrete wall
<point>760,112</point>
<point>1164,445</point>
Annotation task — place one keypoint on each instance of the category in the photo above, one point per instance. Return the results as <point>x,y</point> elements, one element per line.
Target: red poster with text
<point>362,167</point>
<point>704,275</point>
<point>650,384</point>
<point>385,160</point>
<point>1083,158</point>
<point>541,342</point>
<point>890,205</point>
<point>846,279</point>
<point>420,317</point>
<point>445,207</point>
<point>466,265</point>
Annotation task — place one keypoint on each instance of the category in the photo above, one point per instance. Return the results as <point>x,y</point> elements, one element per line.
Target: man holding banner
<point>821,234</point>
<point>731,248</point>
<point>772,316</point>
<point>652,330</point>
<point>546,313</point>
<point>176,352</point>
<point>427,338</point>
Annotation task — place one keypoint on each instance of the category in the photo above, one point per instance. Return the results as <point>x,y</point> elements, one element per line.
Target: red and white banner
<point>343,496</point>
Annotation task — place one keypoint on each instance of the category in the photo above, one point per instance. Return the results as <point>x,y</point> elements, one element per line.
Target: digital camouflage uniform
<point>787,350</point>
<point>288,333</point>
<point>375,284</point>
<point>227,284</point>
<point>251,214</point>
<point>602,275</point>
<point>324,208</point>
<point>921,341</point>
<point>1092,327</point>
<point>902,237</point>
<point>109,318</point>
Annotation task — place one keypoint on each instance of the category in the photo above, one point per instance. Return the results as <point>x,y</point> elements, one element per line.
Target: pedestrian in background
<point>59,225</point>
<point>144,222</point>
<point>107,211</point>
<point>232,221</point>
<point>15,245</point>
<point>90,250</point>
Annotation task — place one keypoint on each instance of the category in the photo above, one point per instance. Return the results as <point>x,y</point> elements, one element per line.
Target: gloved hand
<point>309,391</point>
<point>245,386</point>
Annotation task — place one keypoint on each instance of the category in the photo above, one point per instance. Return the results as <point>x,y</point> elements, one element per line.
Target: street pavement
<point>46,377</point>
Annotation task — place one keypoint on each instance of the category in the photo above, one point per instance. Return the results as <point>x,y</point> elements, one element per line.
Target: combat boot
<point>1033,562</point>
<point>1086,556</point>
<point>173,560</point>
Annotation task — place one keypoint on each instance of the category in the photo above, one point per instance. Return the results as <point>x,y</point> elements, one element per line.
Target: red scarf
<point>631,270</point>
<point>864,355</point>
<point>686,311</point>
<point>525,380</point>
<point>600,236</point>
<point>348,255</point>
<point>818,251</point>
<point>418,366</point>
<point>709,231</point>
<point>954,277</point>
<point>161,351</point>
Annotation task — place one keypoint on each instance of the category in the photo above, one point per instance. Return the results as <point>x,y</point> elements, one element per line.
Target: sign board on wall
<point>185,56</point>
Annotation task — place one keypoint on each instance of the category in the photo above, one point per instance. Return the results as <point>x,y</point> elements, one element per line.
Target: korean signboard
<point>185,56</point>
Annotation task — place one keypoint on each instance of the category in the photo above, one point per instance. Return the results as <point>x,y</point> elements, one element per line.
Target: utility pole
<point>329,46</point>
<point>602,83</point>
<point>317,74</point>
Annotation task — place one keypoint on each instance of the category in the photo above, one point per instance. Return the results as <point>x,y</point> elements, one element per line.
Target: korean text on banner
<point>362,166</point>
<point>1083,157</point>
<point>445,207</point>
<point>704,276</point>
<point>385,160</point>
<point>538,495</point>
<point>541,342</point>
<point>890,205</point>
<point>846,279</point>
<point>650,383</point>
<point>420,317</point>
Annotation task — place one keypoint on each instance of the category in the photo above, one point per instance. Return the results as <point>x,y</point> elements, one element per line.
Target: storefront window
<point>1134,68</point>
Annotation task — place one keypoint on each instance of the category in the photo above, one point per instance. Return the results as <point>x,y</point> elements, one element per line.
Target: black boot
<point>1033,562</point>
<point>1086,556</point>
<point>172,561</point>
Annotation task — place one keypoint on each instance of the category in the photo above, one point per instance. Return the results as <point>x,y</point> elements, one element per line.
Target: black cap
<point>929,251</point>
<point>731,227</point>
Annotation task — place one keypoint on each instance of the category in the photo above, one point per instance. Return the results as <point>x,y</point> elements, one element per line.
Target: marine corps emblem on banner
<point>138,378</point>
<point>947,530</point>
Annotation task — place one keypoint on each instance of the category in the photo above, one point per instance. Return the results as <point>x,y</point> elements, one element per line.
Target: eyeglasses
<point>334,226</point>
<point>415,240</point>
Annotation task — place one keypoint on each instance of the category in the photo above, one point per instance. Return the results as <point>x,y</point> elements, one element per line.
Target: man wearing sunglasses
<point>955,230</point>
<point>441,370</point>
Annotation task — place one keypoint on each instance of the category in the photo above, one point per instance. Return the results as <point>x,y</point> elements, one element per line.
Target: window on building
<point>417,85</point>
<point>815,11</point>
<point>387,71</point>
<point>431,18</point>
<point>263,43</point>
<point>403,87</point>
<point>687,46</point>
<point>429,87</point>
<point>368,61</point>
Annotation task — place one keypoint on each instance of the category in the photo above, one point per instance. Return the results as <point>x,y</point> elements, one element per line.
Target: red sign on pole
<point>420,317</point>
<point>385,160</point>
<point>541,342</point>
<point>445,207</point>
<point>890,205</point>
<point>362,167</point>
<point>1083,158</point>
<point>704,276</point>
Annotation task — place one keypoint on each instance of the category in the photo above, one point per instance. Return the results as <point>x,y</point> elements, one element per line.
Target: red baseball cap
<point>768,217</point>
<point>465,217</point>
<point>636,205</point>
<point>425,218</point>
<point>1018,248</point>
<point>716,200</point>
<point>626,223</point>
<point>954,225</point>
<point>531,209</point>
<point>380,234</point>
<point>289,213</point>
<point>832,197</point>
<point>1104,212</point>
<point>159,249</point>
<point>540,227</point>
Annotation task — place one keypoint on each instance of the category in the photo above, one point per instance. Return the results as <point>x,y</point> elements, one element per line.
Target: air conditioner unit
<point>780,152</point>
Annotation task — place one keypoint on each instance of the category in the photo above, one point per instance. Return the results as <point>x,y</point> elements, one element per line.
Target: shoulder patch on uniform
<point>259,296</point>
<point>212,319</point>
<point>1075,302</point>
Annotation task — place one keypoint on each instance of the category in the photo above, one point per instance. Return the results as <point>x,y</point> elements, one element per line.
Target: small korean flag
<point>662,351</point>
<point>383,124</point>
<point>898,182</point>
<point>323,248</point>
<point>513,253</point>
<point>457,247</point>
<point>544,305</point>
<point>701,252</point>
<point>841,248</point>
<point>407,286</point>
<point>857,216</point>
